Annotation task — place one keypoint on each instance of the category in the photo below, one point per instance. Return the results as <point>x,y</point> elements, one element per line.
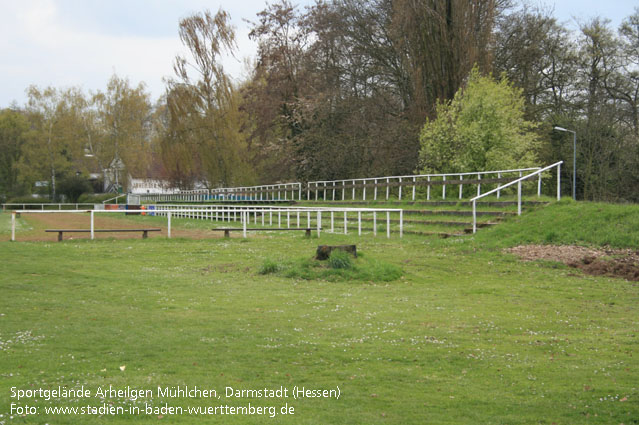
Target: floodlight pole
<point>574,159</point>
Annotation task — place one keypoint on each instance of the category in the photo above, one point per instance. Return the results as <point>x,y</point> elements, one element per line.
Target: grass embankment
<point>465,335</point>
<point>568,222</point>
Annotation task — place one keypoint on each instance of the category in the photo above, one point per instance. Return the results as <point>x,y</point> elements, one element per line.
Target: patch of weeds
<point>340,260</point>
<point>360,269</point>
<point>269,266</point>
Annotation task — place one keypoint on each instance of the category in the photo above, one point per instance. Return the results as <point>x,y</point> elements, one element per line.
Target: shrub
<point>340,260</point>
<point>269,266</point>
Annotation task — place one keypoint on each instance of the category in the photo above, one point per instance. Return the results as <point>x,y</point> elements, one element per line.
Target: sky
<point>65,43</point>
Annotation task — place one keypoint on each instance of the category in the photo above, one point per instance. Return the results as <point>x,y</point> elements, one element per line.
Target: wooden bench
<point>145,232</point>
<point>228,230</point>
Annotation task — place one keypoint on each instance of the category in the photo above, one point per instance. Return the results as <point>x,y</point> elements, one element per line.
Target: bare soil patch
<point>623,263</point>
<point>41,221</point>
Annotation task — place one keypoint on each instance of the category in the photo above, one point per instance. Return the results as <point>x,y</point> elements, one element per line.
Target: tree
<point>538,55</point>
<point>482,128</point>
<point>13,133</point>
<point>203,111</point>
<point>124,115</point>
<point>72,186</point>
<point>55,143</point>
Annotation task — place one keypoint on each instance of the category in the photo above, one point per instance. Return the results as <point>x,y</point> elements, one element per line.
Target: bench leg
<point>145,234</point>
<point>59,236</point>
<point>227,234</point>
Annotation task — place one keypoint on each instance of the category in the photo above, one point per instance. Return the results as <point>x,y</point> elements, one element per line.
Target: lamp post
<point>574,160</point>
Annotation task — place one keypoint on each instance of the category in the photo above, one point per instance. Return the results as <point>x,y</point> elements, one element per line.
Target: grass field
<point>466,334</point>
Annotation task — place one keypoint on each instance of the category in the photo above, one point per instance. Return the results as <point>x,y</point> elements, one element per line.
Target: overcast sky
<point>82,43</point>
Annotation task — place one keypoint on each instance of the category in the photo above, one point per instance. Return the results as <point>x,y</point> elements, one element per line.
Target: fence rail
<point>316,217</point>
<point>271,192</point>
<point>47,205</point>
<point>333,190</point>
<point>518,183</point>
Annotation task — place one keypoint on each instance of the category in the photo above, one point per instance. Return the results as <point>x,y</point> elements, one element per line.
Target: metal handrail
<point>518,182</point>
<point>116,197</point>
<point>472,173</point>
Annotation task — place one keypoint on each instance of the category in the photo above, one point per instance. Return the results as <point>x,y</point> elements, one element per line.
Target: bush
<point>340,260</point>
<point>269,266</point>
<point>73,186</point>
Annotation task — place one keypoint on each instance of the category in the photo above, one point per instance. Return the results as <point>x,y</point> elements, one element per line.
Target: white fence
<point>272,192</point>
<point>351,189</point>
<point>314,217</point>
<point>46,206</point>
<point>518,183</point>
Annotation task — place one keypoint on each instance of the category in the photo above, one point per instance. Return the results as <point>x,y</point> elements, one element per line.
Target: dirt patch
<point>623,263</point>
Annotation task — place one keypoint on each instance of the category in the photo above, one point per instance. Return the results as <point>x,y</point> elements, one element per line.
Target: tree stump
<point>324,251</point>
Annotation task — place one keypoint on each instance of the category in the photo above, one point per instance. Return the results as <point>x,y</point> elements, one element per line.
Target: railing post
<point>474,216</point>
<point>559,182</point>
<point>375,196</point>
<point>345,224</point>
<point>444,188</point>
<point>319,223</point>
<point>168,215</point>
<point>519,197</point>
<point>387,188</point>
<point>428,188</point>
<point>353,190</point>
<point>479,184</point>
<point>13,226</point>
<point>414,180</point>
<point>92,226</point>
<point>539,186</point>
<point>364,191</point>
<point>400,188</point>
<point>359,223</point>
<point>461,186</point>
<point>332,222</point>
<point>401,223</point>
<point>388,224</point>
<point>244,220</point>
<point>498,185</point>
<point>374,223</point>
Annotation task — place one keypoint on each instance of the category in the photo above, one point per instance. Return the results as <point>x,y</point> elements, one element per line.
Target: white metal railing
<point>518,183</point>
<point>46,205</point>
<point>227,213</point>
<point>331,189</point>
<point>279,192</point>
<point>271,192</point>
<point>114,198</point>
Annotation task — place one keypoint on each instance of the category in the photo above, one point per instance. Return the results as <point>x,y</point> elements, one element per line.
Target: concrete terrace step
<point>413,232</point>
<point>433,222</point>
<point>373,204</point>
<point>458,213</point>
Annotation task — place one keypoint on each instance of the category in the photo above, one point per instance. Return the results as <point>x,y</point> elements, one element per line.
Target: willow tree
<point>203,106</point>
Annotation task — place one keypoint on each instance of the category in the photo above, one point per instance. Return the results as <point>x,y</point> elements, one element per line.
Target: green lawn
<point>467,335</point>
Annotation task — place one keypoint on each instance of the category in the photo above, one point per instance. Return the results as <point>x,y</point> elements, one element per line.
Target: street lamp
<point>574,160</point>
